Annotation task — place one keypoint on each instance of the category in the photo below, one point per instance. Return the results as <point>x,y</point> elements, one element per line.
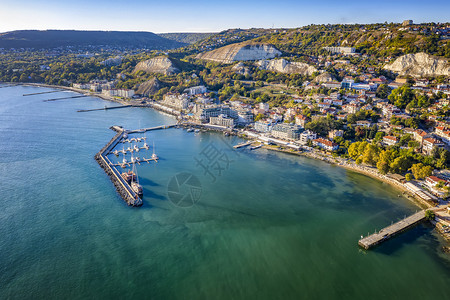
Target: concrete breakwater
<point>122,186</point>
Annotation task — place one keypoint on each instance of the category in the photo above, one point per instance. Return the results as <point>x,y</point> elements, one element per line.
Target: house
<point>307,135</point>
<point>338,102</point>
<point>350,108</point>
<point>325,144</point>
<point>419,134</point>
<point>432,181</point>
<point>390,140</point>
<point>335,133</point>
<point>301,120</point>
<point>363,123</point>
<point>429,144</point>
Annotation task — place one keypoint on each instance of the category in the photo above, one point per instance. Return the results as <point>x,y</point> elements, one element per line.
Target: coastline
<point>84,92</point>
<point>361,169</point>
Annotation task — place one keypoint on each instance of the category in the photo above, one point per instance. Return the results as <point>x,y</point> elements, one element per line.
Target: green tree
<point>370,155</point>
<point>383,91</point>
<point>379,136</point>
<point>408,177</point>
<point>430,215</point>
<point>401,96</point>
<point>400,165</point>
<point>420,171</point>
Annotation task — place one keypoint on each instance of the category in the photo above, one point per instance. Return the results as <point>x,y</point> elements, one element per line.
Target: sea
<point>216,222</point>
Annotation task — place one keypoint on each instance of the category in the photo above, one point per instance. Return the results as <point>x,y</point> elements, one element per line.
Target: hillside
<point>186,37</point>
<point>45,39</point>
<point>161,65</point>
<point>381,40</point>
<point>240,52</point>
<point>420,65</point>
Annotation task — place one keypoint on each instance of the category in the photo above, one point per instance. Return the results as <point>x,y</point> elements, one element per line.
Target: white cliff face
<point>240,52</point>
<point>324,77</point>
<point>284,66</point>
<point>160,64</point>
<point>420,65</point>
<point>240,68</point>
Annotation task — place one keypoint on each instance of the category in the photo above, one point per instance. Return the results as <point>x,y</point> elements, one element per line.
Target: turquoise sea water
<point>271,225</point>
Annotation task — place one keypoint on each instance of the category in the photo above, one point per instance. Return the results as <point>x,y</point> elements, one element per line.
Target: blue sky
<point>209,16</point>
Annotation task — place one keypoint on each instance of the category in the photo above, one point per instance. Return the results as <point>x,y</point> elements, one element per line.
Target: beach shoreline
<point>361,169</point>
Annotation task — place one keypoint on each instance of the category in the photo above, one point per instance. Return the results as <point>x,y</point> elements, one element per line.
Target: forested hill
<point>186,37</point>
<point>381,40</point>
<point>45,39</point>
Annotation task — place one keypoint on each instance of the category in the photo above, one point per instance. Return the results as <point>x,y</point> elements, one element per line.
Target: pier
<point>5,86</point>
<point>242,145</point>
<point>104,108</point>
<point>152,128</point>
<point>31,94</point>
<point>123,188</point>
<point>392,230</point>
<point>64,98</point>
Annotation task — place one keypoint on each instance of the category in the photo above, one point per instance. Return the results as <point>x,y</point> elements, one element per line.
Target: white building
<point>342,50</point>
<point>390,140</point>
<point>222,120</point>
<point>325,144</point>
<point>204,113</point>
<point>195,90</point>
<point>175,101</point>
<point>264,106</point>
<point>307,135</point>
<point>286,131</point>
<point>119,93</point>
<point>263,126</point>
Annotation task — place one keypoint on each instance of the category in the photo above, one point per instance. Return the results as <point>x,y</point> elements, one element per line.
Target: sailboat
<point>154,156</point>
<point>137,188</point>
<point>145,142</point>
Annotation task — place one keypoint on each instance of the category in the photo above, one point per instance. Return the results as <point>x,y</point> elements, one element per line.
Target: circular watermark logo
<point>184,189</point>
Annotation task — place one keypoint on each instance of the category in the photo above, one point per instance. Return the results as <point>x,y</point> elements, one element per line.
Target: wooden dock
<point>392,230</point>
<point>104,108</point>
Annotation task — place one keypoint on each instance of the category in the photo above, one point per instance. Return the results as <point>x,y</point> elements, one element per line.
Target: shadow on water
<point>146,181</point>
<point>404,239</point>
<point>150,194</point>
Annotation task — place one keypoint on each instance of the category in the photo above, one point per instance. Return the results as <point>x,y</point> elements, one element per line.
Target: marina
<point>127,183</point>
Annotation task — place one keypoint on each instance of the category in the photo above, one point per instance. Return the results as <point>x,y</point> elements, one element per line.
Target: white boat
<point>154,156</point>
<point>129,149</point>
<point>196,130</point>
<point>190,129</point>
<point>116,152</point>
<point>137,188</point>
<point>136,148</point>
<point>124,161</point>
